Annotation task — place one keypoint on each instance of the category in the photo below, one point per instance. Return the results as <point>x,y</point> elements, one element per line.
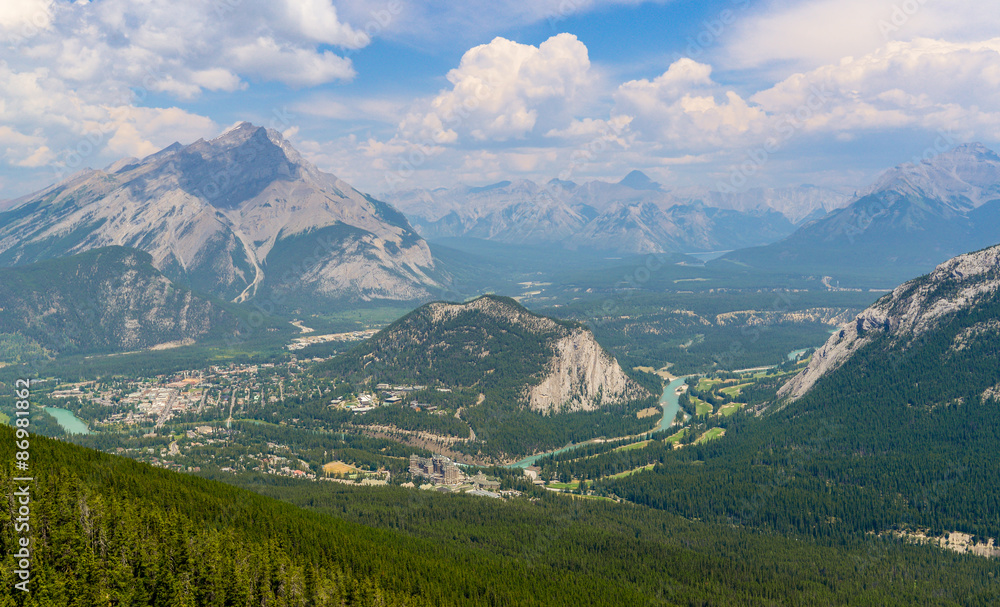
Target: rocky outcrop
<point>910,310</point>
<point>582,376</point>
<point>829,316</point>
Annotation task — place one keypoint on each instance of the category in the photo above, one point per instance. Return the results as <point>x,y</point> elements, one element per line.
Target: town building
<point>438,469</point>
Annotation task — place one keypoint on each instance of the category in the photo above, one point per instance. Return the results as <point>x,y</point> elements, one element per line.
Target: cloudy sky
<point>399,94</point>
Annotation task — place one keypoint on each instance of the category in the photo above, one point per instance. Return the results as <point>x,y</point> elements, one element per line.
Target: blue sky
<point>405,94</point>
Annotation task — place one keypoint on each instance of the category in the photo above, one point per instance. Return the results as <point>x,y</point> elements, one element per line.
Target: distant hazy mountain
<point>637,180</point>
<point>635,215</point>
<point>798,204</point>
<point>520,211</point>
<point>105,300</point>
<point>913,217</point>
<point>646,227</point>
<point>240,216</point>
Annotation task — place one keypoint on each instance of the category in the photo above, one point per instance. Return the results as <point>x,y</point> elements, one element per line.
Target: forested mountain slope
<point>105,300</point>
<point>899,434</point>
<point>109,531</point>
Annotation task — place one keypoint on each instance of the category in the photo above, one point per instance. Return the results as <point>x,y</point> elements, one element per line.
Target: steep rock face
<point>213,214</point>
<point>109,299</point>
<point>909,311</point>
<point>582,376</point>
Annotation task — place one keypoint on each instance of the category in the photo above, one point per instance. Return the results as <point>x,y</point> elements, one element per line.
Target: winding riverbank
<point>669,402</point>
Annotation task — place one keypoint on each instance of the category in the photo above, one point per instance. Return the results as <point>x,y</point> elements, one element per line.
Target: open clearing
<point>701,407</point>
<point>572,485</point>
<point>633,471</point>
<point>638,445</point>
<point>727,410</point>
<point>712,434</point>
<point>339,468</point>
<point>677,436</point>
<point>733,391</point>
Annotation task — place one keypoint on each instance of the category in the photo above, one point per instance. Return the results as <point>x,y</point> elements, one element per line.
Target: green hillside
<point>110,531</point>
<point>902,436</point>
<point>487,359</point>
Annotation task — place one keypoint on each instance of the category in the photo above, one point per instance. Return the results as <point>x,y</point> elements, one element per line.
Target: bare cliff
<point>582,376</point>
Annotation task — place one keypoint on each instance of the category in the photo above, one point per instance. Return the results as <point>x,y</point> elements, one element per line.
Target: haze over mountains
<point>244,217</point>
<point>913,217</point>
<point>240,216</point>
<point>634,215</point>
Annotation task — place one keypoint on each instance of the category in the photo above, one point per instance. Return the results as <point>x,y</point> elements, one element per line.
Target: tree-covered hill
<point>529,382</point>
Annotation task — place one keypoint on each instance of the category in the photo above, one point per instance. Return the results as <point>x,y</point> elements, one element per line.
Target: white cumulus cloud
<point>503,90</point>
<point>686,109</point>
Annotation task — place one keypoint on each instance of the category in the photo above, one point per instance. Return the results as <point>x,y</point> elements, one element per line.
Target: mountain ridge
<point>635,215</point>
<point>911,218</point>
<point>108,299</point>
<point>904,315</point>
<point>212,212</point>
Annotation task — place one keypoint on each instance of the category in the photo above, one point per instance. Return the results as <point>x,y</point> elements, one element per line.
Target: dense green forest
<point>107,530</point>
<point>902,436</point>
<point>673,560</point>
<point>701,332</point>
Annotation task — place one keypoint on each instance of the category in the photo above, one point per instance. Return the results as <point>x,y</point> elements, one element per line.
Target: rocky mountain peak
<point>212,213</point>
<point>967,176</point>
<point>637,180</point>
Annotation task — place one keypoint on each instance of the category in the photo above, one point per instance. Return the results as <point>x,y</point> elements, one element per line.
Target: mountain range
<point>634,215</point>
<point>242,216</point>
<point>910,219</point>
